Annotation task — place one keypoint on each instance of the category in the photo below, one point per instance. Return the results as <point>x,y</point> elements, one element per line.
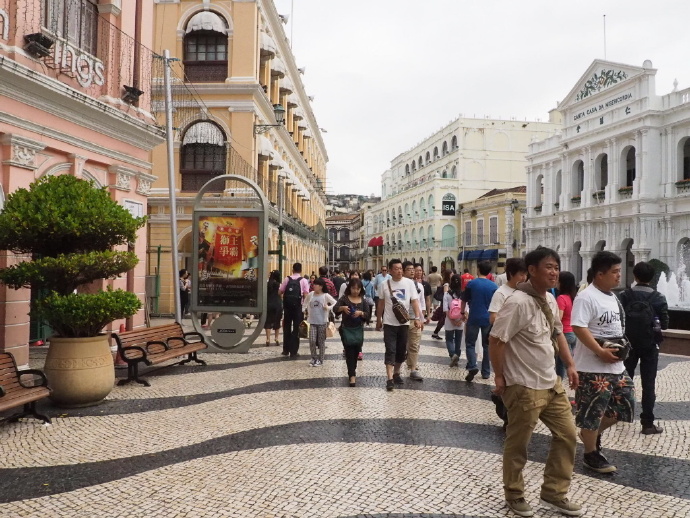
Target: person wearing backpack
<point>454,324</point>
<point>646,314</point>
<point>293,289</point>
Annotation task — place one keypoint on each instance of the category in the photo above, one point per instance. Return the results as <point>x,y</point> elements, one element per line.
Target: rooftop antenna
<point>604,36</point>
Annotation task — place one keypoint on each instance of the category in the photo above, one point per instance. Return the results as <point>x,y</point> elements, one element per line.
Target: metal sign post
<point>229,277</point>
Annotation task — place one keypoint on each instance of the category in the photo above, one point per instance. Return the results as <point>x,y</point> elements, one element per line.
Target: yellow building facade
<point>491,229</point>
<point>235,58</point>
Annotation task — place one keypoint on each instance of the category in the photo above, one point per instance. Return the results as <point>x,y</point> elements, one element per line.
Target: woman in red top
<point>567,290</point>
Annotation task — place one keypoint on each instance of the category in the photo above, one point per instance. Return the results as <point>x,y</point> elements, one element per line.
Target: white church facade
<point>617,177</point>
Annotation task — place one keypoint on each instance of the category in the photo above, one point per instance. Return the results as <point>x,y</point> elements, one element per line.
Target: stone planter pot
<point>80,371</point>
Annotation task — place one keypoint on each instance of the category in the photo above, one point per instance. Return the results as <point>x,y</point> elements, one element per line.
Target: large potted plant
<point>70,230</point>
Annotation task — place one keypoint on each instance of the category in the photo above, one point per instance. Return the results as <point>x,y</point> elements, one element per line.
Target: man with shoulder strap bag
<point>646,315</point>
<point>397,296</point>
<point>526,335</point>
<point>293,289</point>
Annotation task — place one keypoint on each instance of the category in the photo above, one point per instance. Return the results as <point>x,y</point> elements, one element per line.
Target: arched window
<point>454,171</point>
<point>415,213</point>
<point>684,159</point>
<point>422,241</point>
<point>420,163</point>
<point>445,148</point>
<point>431,204</point>
<point>202,156</point>
<point>413,238</point>
<point>407,169</point>
<point>413,166</point>
<point>407,213</point>
<point>206,48</point>
<point>444,174</point>
<point>428,157</point>
<point>345,234</point>
<point>406,238</point>
<point>630,171</point>
<point>539,192</point>
<point>436,153</point>
<point>430,235</point>
<point>601,172</point>
<point>559,184</point>
<point>422,208</point>
<point>388,218</point>
<point>399,241</point>
<point>454,142</point>
<point>578,178</point>
<point>448,236</point>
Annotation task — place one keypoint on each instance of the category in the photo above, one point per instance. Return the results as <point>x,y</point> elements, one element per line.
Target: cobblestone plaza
<point>259,435</point>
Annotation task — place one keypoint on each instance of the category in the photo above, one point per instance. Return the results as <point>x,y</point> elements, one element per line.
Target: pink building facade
<point>75,98</point>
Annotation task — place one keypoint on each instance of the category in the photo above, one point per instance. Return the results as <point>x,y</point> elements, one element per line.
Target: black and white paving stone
<point>259,435</point>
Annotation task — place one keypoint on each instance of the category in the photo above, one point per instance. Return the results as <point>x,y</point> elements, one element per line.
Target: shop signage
<point>85,68</point>
<point>599,108</point>
<point>448,208</point>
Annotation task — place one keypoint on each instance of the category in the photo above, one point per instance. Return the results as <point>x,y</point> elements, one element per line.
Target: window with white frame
<point>480,231</point>
<point>74,20</point>
<point>468,233</point>
<point>493,230</point>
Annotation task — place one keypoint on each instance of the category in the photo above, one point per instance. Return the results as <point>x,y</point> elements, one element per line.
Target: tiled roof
<point>494,192</point>
<point>338,217</point>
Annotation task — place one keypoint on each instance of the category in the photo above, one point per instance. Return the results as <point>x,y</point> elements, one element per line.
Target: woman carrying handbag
<point>355,313</point>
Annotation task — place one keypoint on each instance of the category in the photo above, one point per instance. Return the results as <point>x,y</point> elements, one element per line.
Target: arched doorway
<point>576,262</point>
<point>447,264</point>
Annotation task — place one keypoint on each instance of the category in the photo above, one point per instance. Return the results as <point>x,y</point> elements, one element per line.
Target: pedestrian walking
<point>605,394</point>
<point>477,295</point>
<point>274,307</point>
<point>440,293</point>
<point>330,287</point>
<point>185,287</point>
<point>516,273</point>
<point>426,299</point>
<point>567,291</point>
<point>394,330</point>
<point>355,312</point>
<point>466,278</point>
<point>646,314</point>
<point>454,324</point>
<point>526,334</point>
<point>293,289</point>
<point>380,278</point>
<point>414,334</point>
<point>317,306</point>
<point>369,293</point>
<point>435,280</point>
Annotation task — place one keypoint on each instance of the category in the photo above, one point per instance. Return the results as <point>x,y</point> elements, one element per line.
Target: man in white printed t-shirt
<point>605,394</point>
<point>395,333</point>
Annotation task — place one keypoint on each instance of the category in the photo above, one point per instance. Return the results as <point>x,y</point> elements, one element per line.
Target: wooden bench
<point>153,345</point>
<point>16,391</point>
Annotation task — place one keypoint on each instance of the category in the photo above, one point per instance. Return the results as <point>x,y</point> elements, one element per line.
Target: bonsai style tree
<point>69,227</point>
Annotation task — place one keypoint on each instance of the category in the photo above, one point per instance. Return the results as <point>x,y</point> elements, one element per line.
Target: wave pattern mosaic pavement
<point>259,435</point>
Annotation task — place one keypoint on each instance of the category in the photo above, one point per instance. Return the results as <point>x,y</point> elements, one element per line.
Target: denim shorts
<point>604,395</point>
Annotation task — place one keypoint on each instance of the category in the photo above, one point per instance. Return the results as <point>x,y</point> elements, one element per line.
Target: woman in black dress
<point>274,307</point>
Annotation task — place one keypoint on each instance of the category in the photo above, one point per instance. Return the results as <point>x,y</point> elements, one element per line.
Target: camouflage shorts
<point>604,395</point>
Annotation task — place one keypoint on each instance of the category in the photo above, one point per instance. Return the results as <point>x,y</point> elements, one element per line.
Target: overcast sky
<point>386,74</point>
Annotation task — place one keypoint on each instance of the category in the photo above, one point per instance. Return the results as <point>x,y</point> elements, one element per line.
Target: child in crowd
<point>317,305</point>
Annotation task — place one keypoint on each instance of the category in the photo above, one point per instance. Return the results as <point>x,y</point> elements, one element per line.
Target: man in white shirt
<point>605,394</point>
<point>379,279</point>
<point>394,332</point>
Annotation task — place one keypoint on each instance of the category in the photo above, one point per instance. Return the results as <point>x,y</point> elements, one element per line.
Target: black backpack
<point>293,292</point>
<point>639,319</point>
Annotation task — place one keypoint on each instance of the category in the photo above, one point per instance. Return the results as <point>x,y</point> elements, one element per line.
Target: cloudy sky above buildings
<point>386,74</point>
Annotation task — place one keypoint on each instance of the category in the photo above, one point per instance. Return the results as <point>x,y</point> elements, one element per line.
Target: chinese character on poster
<point>228,262</point>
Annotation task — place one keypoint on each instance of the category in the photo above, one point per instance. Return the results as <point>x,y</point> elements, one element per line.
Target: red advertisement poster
<point>228,261</point>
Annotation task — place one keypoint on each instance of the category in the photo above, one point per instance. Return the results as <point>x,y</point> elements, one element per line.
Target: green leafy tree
<point>69,227</point>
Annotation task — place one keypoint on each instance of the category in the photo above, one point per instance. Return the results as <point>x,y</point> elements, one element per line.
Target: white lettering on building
<point>602,107</point>
<point>84,67</point>
<point>5,20</point>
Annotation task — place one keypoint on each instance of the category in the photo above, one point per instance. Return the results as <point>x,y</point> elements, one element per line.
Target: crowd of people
<point>538,329</point>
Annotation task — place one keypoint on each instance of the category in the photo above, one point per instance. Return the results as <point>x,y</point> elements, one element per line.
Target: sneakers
<point>312,363</point>
<point>520,507</point>
<point>564,506</point>
<point>470,376</point>
<point>397,379</point>
<point>414,375</point>
<point>434,335</point>
<point>651,429</point>
<point>317,363</point>
<point>455,359</point>
<point>390,385</point>
<point>597,462</point>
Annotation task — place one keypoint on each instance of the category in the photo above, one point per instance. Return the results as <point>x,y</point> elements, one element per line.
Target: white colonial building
<point>618,176</point>
<point>426,185</point>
